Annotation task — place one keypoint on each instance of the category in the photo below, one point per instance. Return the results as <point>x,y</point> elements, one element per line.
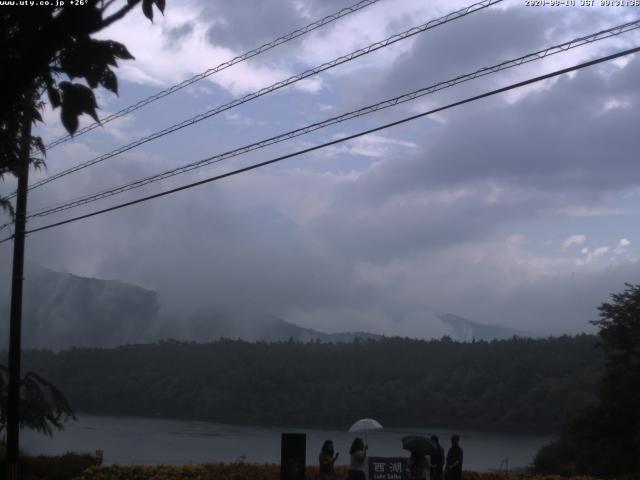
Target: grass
<point>229,471</point>
<point>80,466</point>
<point>61,467</point>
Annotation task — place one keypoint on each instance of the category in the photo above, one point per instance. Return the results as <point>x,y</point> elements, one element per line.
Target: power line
<point>340,140</point>
<point>276,86</point>
<point>207,73</point>
<point>530,57</point>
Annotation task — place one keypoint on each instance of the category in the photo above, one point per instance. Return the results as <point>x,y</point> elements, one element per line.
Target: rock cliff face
<point>61,310</point>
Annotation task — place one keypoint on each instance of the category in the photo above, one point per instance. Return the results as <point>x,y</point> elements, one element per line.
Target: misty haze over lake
<point>75,311</point>
<point>127,440</point>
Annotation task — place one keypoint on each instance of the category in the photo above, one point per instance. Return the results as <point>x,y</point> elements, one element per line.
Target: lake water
<point>131,440</point>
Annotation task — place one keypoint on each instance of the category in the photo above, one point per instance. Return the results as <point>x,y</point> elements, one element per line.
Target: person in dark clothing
<point>453,470</point>
<point>326,459</point>
<point>418,467</point>
<point>437,460</point>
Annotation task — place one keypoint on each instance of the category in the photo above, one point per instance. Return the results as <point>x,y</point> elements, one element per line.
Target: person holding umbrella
<point>358,453</point>
<point>358,450</point>
<point>365,425</point>
<point>418,466</point>
<point>437,460</point>
<point>453,470</point>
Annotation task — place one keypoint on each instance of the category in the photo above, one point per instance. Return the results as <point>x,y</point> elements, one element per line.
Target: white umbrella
<point>364,425</point>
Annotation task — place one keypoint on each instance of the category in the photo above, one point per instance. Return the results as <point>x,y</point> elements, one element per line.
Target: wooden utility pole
<point>15,328</point>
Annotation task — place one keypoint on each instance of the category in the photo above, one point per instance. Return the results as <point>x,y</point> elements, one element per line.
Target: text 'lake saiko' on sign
<point>387,468</point>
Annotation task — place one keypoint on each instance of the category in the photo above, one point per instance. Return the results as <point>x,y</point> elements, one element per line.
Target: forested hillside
<point>523,383</point>
<point>57,307</point>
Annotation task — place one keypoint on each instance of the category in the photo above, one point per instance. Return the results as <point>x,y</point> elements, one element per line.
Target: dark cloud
<point>483,39</point>
<point>405,223</point>
<point>173,36</point>
<point>199,250</point>
<point>422,229</point>
<point>243,25</point>
<point>489,165</point>
<point>467,44</point>
<point>559,139</point>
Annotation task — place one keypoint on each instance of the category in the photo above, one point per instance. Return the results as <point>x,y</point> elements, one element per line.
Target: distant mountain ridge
<point>214,323</point>
<point>62,310</point>
<point>465,330</point>
<point>276,329</point>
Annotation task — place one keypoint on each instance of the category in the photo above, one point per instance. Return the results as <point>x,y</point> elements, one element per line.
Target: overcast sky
<point>521,210</point>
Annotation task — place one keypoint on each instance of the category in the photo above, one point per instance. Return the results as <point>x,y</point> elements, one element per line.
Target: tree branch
<point>106,5</point>
<point>117,16</point>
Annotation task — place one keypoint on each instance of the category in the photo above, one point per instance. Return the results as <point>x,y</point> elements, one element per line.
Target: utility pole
<point>15,328</point>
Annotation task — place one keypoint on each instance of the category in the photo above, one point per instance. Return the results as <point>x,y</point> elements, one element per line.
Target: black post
<point>15,328</point>
<point>293,456</point>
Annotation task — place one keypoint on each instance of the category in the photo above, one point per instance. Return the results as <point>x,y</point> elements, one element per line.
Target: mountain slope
<point>465,330</point>
<point>62,310</point>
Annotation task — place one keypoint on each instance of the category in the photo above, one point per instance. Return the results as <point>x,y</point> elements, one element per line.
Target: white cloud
<point>598,252</point>
<point>623,244</point>
<point>159,66</point>
<point>240,119</point>
<point>612,103</point>
<point>574,240</point>
<point>582,211</point>
<point>372,145</point>
<point>590,256</point>
<point>516,240</point>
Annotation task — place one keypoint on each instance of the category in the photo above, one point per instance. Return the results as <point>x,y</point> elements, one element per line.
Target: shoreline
<point>479,427</point>
<point>151,441</point>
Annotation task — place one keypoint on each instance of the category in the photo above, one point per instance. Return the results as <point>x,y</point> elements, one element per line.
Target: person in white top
<point>358,453</point>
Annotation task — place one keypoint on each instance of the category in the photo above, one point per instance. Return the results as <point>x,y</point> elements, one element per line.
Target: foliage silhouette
<point>604,438</point>
<point>42,406</point>
<point>523,383</point>
<point>44,49</point>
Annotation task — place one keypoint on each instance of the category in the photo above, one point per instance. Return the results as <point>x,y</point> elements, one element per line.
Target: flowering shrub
<point>218,471</point>
<point>251,471</point>
<point>502,476</point>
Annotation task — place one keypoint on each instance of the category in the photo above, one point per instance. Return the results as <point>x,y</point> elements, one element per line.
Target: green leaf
<point>119,50</point>
<point>37,163</point>
<point>36,116</point>
<point>39,144</point>
<point>88,58</point>
<point>109,81</point>
<point>147,9</point>
<point>74,59</point>
<point>93,77</point>
<point>69,119</point>
<point>6,205</point>
<point>76,100</point>
<point>54,96</point>
<point>160,4</point>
